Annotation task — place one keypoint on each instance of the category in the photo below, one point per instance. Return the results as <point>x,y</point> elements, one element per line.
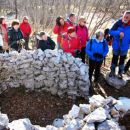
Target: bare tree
<point>16,9</point>
<point>42,13</point>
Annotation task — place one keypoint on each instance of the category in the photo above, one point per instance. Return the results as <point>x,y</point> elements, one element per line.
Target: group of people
<point>74,38</point>
<point>13,37</point>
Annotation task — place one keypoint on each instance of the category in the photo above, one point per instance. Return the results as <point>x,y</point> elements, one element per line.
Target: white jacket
<point>1,40</point>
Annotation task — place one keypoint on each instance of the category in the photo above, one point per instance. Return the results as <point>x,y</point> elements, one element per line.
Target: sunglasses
<point>126,17</point>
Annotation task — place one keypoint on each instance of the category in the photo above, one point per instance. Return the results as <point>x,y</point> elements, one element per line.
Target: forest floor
<point>42,108</point>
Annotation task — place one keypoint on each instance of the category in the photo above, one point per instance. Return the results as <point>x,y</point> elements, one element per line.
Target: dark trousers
<point>16,47</point>
<point>26,45</point>
<point>127,66</point>
<point>83,54</point>
<point>94,66</point>
<point>115,60</point>
<point>1,49</point>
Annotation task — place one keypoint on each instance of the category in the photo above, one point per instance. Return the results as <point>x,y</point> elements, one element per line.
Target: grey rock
<point>115,81</point>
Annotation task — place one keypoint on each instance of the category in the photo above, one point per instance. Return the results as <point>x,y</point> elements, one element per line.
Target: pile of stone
<point>54,71</point>
<point>100,114</point>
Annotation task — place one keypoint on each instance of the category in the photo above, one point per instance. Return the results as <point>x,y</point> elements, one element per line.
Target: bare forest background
<point>42,13</point>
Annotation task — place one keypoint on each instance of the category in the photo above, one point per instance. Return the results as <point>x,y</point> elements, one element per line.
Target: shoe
<point>128,73</point>
<point>120,76</point>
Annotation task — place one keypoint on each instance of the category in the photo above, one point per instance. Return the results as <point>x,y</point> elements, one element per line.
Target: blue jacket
<point>118,24</point>
<point>97,47</point>
<point>118,44</point>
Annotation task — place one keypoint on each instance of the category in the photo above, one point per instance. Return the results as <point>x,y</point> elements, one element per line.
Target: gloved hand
<point>77,53</point>
<point>106,32</point>
<point>21,41</point>
<point>97,55</point>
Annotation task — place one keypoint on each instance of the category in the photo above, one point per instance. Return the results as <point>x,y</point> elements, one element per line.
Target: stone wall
<point>100,114</point>
<point>54,71</point>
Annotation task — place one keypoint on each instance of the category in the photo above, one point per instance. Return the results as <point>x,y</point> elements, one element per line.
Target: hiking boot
<point>126,73</point>
<point>120,76</point>
<point>112,74</point>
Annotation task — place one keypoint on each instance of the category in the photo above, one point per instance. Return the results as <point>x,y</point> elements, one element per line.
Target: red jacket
<point>3,30</point>
<point>82,33</point>
<point>60,30</point>
<point>70,23</point>
<point>26,29</point>
<point>70,44</point>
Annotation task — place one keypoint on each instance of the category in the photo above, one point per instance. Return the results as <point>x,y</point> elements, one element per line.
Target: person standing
<point>72,43</point>
<point>82,33</point>
<point>71,20</point>
<point>26,30</point>
<point>60,29</point>
<point>4,33</point>
<point>121,42</point>
<point>97,50</point>
<point>15,36</point>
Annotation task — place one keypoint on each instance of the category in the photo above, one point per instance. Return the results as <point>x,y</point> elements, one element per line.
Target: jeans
<point>118,60</point>
<point>1,49</point>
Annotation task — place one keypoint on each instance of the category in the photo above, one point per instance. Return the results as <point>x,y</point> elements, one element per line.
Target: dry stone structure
<point>99,114</point>
<point>54,71</point>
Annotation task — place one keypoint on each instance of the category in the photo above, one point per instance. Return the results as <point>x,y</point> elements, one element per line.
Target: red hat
<point>71,30</point>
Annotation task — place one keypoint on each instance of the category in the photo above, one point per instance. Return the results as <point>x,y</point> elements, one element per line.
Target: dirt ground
<point>42,108</point>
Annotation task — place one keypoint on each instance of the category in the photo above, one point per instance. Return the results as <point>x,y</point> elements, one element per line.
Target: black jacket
<point>118,24</point>
<point>14,36</point>
<point>49,44</point>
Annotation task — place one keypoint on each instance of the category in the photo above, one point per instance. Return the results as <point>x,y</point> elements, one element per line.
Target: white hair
<point>99,32</point>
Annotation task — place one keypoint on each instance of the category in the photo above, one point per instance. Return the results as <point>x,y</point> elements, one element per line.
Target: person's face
<point>126,18</point>
<point>82,23</point>
<point>101,37</point>
<point>62,21</point>
<point>16,27</point>
<point>73,34</point>
<point>25,20</point>
<point>3,22</point>
<point>73,18</point>
<point>44,37</point>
